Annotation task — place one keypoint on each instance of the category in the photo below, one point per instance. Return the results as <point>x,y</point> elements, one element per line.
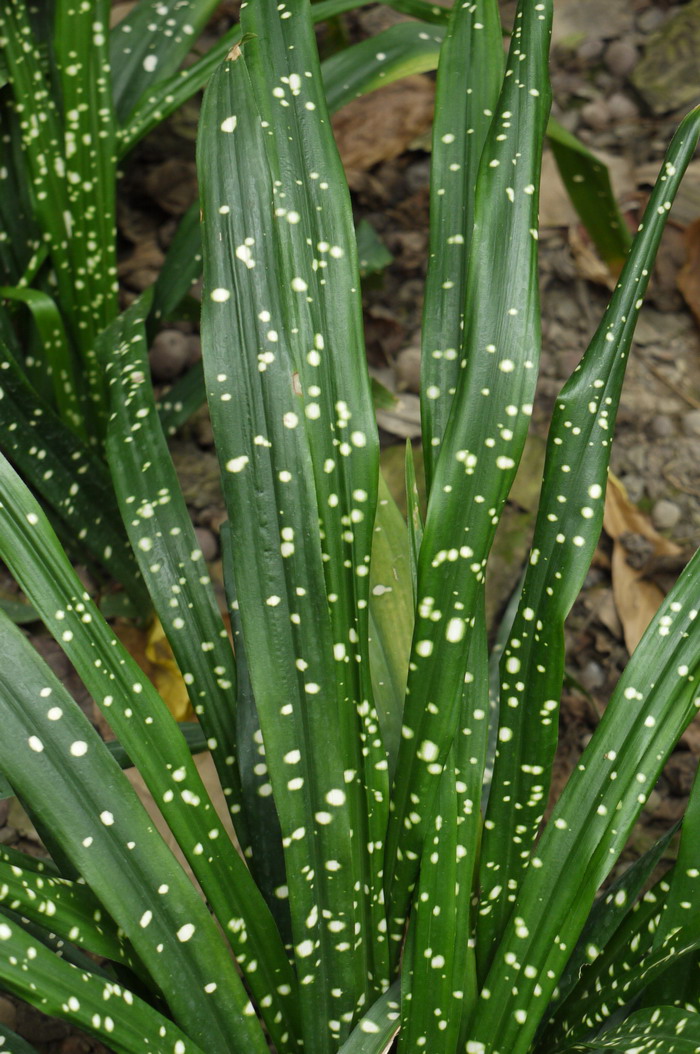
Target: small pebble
<point>621,57</point>
<point>662,426</point>
<point>691,423</point>
<point>621,108</point>
<point>592,676</point>
<point>596,114</point>
<point>651,19</point>
<point>407,370</point>
<point>591,49</point>
<point>206,540</point>
<point>169,354</point>
<point>8,1013</point>
<point>665,514</point>
<point>634,485</point>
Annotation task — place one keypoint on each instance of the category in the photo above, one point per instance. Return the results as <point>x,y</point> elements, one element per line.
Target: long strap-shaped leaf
<point>56,761</point>
<point>70,910</point>
<point>258,418</point>
<point>42,141</point>
<point>149,44</point>
<point>658,1030</point>
<point>108,1011</point>
<point>322,309</point>
<point>58,355</point>
<point>157,520</point>
<point>132,706</point>
<point>473,474</point>
<point>566,533</point>
<point>81,35</point>
<point>470,74</point>
<point>69,477</point>
<point>655,699</point>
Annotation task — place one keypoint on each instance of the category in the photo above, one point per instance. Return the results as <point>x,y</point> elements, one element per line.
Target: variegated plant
<point>396,885</point>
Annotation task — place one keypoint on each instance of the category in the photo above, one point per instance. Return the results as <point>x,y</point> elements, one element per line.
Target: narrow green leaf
<point>576,467</point>
<point>469,80</point>
<point>587,183</point>
<point>658,1030</point>
<point>264,853</point>
<point>375,1031</point>
<point>682,908</point>
<point>339,421</point>
<point>391,618</point>
<point>414,517</point>
<point>161,99</point>
<point>13,1043</point>
<point>148,46</point>
<point>182,267</point>
<point>607,916</point>
<point>42,142</point>
<point>272,551</point>
<point>55,759</point>
<point>409,47</point>
<point>71,911</point>
<point>654,700</point>
<point>472,477</point>
<point>158,524</point>
<point>57,356</point>
<point>430,1004</point>
<point>427,12</point>
<point>182,400</point>
<point>67,475</point>
<point>102,1008</point>
<point>81,53</point>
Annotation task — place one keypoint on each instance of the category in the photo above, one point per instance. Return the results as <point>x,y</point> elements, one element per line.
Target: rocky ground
<point>623,73</point>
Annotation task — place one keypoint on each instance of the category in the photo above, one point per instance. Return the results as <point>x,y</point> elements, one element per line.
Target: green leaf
<point>81,53</point>
<point>71,911</point>
<point>409,47</point>
<point>375,1031</point>
<point>657,1030</point>
<point>391,618</point>
<point>10,1041</point>
<point>182,267</point>
<point>575,475</point>
<point>68,476</point>
<point>653,702</point>
<point>102,1008</point>
<point>258,333</point>
<point>165,96</point>
<point>264,852</point>
<point>182,400</point>
<point>609,913</point>
<point>472,477</point>
<point>468,84</point>
<point>55,759</point>
<point>373,255</point>
<point>148,46</point>
<point>157,521</point>
<point>587,183</point>
<point>56,353</point>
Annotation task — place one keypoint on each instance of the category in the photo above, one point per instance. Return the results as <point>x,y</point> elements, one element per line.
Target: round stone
<point>169,354</point>
<point>665,514</point>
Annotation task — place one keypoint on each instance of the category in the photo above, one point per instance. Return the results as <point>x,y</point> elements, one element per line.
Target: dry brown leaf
<point>636,598</point>
<point>588,263</point>
<point>150,648</point>
<point>688,279</point>
<point>380,126</point>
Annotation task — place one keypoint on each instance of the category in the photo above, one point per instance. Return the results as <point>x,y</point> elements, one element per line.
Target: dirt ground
<point>622,75</point>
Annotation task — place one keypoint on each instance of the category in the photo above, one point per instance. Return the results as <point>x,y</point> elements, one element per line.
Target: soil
<point>621,83</point>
